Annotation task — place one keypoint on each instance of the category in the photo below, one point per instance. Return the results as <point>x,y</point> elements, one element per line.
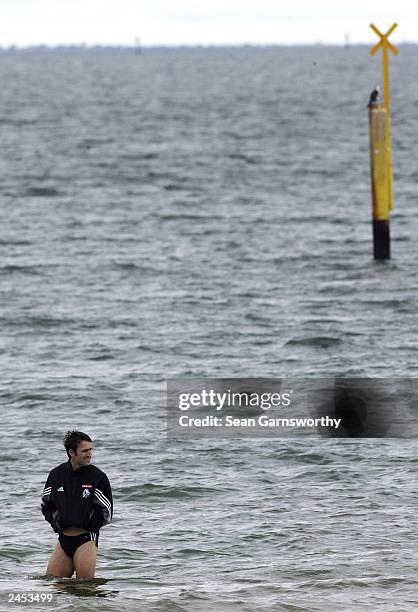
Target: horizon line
<point>87,46</point>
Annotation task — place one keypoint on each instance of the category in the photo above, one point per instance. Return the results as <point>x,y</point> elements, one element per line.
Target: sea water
<point>204,211</point>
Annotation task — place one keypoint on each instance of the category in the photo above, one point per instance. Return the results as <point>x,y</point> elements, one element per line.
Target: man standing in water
<point>77,502</point>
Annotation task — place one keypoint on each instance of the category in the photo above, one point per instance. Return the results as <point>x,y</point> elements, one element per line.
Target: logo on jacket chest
<point>86,490</point>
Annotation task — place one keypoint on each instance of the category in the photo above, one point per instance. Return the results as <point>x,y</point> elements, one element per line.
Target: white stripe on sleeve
<point>101,497</point>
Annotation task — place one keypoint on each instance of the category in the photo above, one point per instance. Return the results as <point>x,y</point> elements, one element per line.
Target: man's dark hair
<point>73,438</point>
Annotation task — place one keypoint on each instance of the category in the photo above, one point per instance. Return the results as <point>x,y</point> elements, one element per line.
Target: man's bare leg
<point>85,560</point>
<point>60,565</point>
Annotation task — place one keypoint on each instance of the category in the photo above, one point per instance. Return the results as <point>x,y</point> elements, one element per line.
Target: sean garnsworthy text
<point>261,421</point>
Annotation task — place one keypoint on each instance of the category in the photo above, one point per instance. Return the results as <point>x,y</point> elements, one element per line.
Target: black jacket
<point>81,498</point>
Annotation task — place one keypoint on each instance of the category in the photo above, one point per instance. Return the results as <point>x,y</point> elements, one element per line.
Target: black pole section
<point>381,239</point>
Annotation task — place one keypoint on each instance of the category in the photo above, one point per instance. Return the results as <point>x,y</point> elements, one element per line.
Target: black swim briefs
<point>69,544</point>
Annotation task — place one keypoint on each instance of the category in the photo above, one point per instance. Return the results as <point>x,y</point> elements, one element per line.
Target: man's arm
<point>102,509</point>
<point>48,507</point>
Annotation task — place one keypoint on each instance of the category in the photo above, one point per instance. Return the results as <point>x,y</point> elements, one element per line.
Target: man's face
<point>83,454</point>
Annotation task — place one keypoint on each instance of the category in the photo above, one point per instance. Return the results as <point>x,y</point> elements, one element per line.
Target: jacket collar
<point>81,469</point>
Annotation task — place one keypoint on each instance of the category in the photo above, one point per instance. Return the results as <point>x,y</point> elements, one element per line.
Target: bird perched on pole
<point>374,97</point>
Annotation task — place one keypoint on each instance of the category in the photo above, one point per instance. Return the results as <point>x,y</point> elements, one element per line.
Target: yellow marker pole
<point>381,153</point>
<point>385,44</point>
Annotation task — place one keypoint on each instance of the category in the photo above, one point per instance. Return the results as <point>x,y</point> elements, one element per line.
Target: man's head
<point>78,447</point>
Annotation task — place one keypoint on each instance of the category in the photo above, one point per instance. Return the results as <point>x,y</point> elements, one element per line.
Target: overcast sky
<point>174,22</point>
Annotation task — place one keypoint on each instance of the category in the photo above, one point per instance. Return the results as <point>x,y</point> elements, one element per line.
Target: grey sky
<point>26,22</point>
